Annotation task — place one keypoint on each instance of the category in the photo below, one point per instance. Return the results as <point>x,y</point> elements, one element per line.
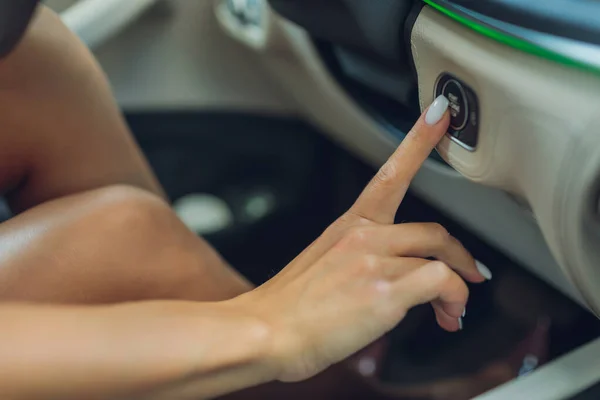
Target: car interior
<point>264,119</point>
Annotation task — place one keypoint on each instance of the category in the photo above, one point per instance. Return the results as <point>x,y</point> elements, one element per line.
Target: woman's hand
<point>358,280</point>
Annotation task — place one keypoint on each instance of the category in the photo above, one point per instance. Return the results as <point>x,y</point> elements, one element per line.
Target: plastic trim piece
<point>573,19</point>
<point>14,19</point>
<point>554,48</point>
<point>560,379</point>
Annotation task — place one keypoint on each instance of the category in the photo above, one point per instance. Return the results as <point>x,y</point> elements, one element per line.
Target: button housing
<point>464,110</point>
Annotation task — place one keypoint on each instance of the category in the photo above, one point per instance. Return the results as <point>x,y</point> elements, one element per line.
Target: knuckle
<point>439,232</point>
<point>353,218</point>
<point>333,231</point>
<point>441,273</point>
<point>386,175</point>
<point>369,263</point>
<point>355,237</point>
<point>444,276</point>
<point>345,219</point>
<point>345,225</point>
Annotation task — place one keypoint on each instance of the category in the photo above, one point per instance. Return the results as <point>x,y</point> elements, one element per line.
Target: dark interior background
<point>313,181</point>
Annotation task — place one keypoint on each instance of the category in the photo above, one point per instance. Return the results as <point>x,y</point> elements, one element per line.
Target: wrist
<point>259,336</point>
<point>283,349</point>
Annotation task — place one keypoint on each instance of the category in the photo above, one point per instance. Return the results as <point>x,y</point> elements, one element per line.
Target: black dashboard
<point>573,19</point>
<point>370,27</point>
<point>14,17</point>
<point>567,31</point>
<point>365,44</point>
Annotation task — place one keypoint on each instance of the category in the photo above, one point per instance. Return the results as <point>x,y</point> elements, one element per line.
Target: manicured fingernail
<point>464,312</point>
<point>460,324</point>
<point>436,110</point>
<point>483,270</point>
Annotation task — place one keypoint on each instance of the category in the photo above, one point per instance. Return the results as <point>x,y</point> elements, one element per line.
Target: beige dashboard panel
<point>176,56</point>
<point>539,134</point>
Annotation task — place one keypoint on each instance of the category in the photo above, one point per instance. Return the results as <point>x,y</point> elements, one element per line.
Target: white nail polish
<point>460,324</point>
<point>483,270</point>
<point>464,312</point>
<point>436,110</point>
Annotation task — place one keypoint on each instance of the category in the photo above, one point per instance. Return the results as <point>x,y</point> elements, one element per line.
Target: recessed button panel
<point>458,104</point>
<point>464,110</point>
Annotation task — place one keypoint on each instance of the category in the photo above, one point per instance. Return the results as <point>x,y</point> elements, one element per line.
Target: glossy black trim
<point>559,49</point>
<point>578,20</point>
<point>14,19</point>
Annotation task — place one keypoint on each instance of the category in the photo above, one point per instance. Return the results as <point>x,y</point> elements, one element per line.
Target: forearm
<point>145,350</point>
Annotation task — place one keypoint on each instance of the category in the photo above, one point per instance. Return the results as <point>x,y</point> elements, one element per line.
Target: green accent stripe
<point>514,42</point>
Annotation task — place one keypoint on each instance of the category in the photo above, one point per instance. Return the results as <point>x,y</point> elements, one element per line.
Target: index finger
<point>383,195</point>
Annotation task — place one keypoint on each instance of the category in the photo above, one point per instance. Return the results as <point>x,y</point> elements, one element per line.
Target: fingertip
<point>483,270</point>
<point>446,322</point>
<point>465,265</point>
<point>474,277</point>
<point>437,110</point>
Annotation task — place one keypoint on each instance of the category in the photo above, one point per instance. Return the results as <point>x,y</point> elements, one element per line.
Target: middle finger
<point>424,240</point>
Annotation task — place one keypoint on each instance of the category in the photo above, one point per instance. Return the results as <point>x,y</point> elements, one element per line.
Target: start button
<point>459,108</point>
<point>464,110</point>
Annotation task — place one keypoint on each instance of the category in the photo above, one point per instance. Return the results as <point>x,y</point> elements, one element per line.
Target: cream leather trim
<point>533,115</point>
<point>95,21</point>
<point>177,57</point>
